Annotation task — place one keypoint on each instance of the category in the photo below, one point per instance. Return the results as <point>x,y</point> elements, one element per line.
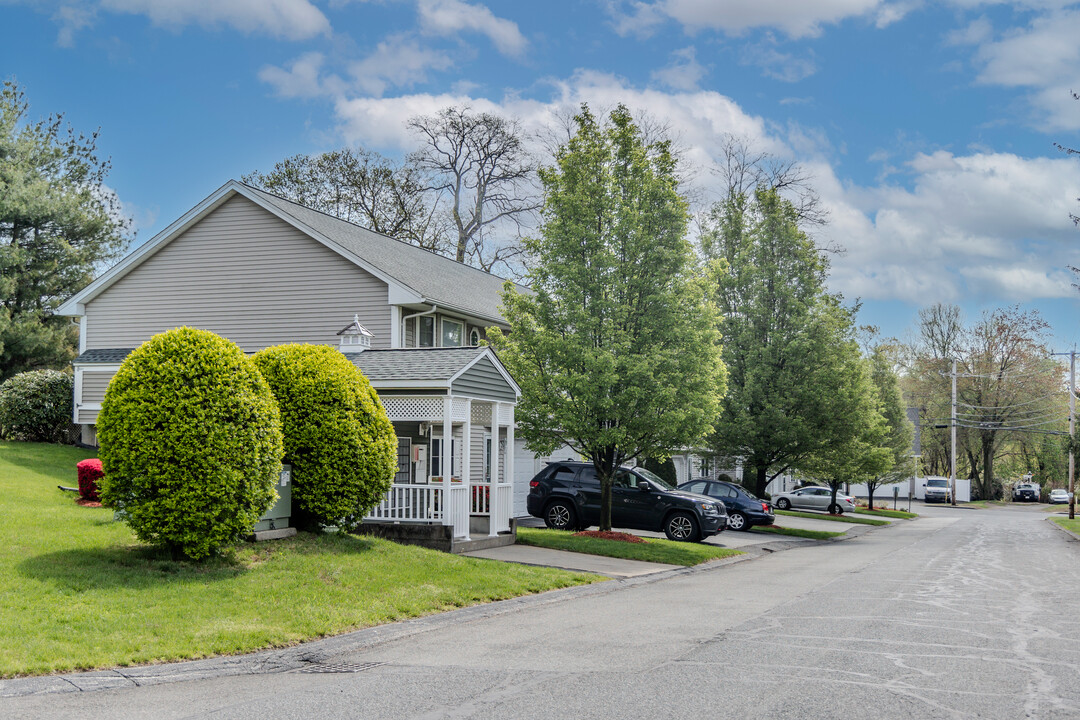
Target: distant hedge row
<point>193,433</point>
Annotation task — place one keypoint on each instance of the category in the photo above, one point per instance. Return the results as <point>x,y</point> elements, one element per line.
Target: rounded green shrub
<point>36,406</point>
<point>190,442</point>
<point>338,439</point>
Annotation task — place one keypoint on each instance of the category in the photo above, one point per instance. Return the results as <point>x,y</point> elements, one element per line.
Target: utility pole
<point>1072,432</point>
<point>952,464</point>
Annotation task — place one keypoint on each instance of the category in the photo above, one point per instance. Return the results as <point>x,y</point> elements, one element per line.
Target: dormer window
<point>354,337</point>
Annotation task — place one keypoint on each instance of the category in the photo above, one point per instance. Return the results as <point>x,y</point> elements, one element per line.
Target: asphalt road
<point>963,613</point>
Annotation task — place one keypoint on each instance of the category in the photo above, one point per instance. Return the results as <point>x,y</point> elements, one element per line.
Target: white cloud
<point>72,19</point>
<point>775,64</point>
<point>795,19</point>
<point>290,19</point>
<point>960,227</point>
<point>301,79</point>
<point>684,72</point>
<point>1043,56</point>
<point>967,226</point>
<point>449,17</point>
<point>399,61</point>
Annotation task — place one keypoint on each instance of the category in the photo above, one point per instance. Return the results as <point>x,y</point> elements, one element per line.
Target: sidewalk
<point>598,564</point>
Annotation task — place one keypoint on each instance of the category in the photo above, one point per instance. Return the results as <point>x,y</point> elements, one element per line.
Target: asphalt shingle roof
<point>414,363</point>
<point>438,279</point>
<point>109,356</point>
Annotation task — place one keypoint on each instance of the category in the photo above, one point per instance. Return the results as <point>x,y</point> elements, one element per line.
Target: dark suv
<point>743,508</point>
<point>567,496</point>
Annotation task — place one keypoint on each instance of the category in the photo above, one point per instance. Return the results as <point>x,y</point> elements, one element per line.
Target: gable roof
<point>417,276</point>
<point>427,367</point>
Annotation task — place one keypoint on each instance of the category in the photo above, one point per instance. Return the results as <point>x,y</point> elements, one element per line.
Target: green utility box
<point>277,517</point>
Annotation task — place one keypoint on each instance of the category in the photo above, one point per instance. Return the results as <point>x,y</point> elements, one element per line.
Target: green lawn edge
<point>831,518</point>
<point>796,532</point>
<point>1073,525</point>
<point>898,514</point>
<point>652,550</point>
<point>79,592</point>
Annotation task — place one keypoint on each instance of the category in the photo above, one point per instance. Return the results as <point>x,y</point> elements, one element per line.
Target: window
<point>436,457</point>
<point>404,461</point>
<point>696,487</point>
<point>452,332</point>
<point>426,334</point>
<point>487,456</point>
<point>474,337</point>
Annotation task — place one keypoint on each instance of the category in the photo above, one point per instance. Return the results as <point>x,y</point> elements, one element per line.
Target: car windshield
<point>654,478</point>
<point>936,483</point>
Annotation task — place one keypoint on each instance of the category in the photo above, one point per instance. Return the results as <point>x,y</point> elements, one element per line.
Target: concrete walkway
<point>611,567</point>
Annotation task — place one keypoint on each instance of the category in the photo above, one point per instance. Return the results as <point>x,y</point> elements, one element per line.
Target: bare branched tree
<point>480,163</point>
<point>742,169</point>
<point>362,187</point>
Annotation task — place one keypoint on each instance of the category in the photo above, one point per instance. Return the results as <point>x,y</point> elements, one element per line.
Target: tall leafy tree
<point>857,450</point>
<point>58,223</point>
<point>899,432</point>
<point>362,187</point>
<point>786,338</point>
<point>617,348</point>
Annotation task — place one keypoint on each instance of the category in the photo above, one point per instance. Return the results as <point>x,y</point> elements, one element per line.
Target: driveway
<point>959,614</point>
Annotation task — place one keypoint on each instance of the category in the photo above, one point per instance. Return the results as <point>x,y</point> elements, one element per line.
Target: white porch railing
<point>425,504</point>
<point>504,503</point>
<point>481,498</point>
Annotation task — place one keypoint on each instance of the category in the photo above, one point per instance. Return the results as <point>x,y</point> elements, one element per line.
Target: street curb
<point>1067,531</point>
<point>313,652</point>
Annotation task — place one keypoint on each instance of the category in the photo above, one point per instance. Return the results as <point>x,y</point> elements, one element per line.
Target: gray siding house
<point>262,271</point>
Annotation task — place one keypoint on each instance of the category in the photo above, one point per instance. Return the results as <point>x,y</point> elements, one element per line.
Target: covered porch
<point>453,413</point>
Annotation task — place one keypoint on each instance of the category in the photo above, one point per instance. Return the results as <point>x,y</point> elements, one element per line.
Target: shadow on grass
<point>43,458</point>
<point>143,566</point>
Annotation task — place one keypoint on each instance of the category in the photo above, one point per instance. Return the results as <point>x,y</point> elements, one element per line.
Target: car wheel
<point>836,509</point>
<point>560,515</point>
<point>783,503</point>
<point>736,521</point>
<point>682,527</point>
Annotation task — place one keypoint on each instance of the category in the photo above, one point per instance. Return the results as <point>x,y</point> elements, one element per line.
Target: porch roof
<point>439,368</point>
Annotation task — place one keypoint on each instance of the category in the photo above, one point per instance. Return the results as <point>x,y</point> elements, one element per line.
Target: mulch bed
<point>87,503</point>
<point>609,535</point>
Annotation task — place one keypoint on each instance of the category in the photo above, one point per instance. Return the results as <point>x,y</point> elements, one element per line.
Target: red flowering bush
<point>89,473</point>
<point>610,535</point>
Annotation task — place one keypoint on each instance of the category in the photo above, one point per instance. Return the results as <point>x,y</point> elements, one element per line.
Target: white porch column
<point>447,458</point>
<point>493,481</point>
<point>510,451</point>
<point>466,456</point>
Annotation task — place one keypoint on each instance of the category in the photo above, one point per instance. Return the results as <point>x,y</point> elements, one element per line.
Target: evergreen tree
<point>58,224</point>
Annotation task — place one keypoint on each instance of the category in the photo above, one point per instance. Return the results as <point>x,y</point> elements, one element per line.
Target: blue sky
<point>928,126</point>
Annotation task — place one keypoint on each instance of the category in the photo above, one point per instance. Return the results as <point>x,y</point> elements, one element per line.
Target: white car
<point>1059,496</point>
<point>814,498</point>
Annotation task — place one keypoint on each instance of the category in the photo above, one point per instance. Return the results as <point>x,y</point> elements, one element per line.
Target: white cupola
<point>355,338</point>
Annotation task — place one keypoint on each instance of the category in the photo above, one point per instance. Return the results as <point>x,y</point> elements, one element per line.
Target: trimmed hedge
<point>90,474</point>
<point>338,438</point>
<point>36,406</point>
<point>190,442</point>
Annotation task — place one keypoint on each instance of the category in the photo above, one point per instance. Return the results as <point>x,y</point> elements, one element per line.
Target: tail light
<point>764,507</point>
<point>534,483</point>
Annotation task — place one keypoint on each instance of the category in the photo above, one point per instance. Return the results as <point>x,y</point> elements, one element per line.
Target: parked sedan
<point>743,508</point>
<point>814,498</point>
<point>1059,496</point>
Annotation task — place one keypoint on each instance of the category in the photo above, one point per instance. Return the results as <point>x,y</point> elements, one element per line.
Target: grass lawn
<point>900,514</point>
<point>78,591</point>
<point>1068,524</point>
<point>652,550</point>
<point>796,532</point>
<point>833,518</point>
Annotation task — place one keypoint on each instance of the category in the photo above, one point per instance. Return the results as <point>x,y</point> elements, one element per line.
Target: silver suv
<point>937,490</point>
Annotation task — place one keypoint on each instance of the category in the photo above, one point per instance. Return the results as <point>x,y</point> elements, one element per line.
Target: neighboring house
<point>262,271</point>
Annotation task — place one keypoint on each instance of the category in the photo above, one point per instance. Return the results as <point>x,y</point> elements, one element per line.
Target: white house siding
<point>244,274</point>
<point>94,384</point>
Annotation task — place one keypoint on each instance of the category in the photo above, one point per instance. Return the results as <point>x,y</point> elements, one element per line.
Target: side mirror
<point>643,486</point>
